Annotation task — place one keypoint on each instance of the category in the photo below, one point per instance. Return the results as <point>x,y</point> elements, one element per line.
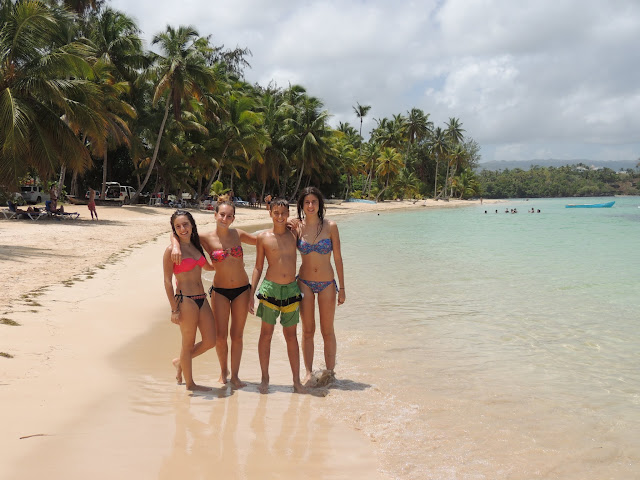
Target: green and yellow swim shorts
<point>278,300</point>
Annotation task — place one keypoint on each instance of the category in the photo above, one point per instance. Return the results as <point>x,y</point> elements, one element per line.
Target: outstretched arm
<point>337,259</point>
<point>248,238</point>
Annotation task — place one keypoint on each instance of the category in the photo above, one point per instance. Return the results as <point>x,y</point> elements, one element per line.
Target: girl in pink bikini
<point>317,239</point>
<point>189,308</point>
<point>231,289</point>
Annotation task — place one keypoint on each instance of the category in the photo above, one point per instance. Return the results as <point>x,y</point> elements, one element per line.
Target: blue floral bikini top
<point>323,247</point>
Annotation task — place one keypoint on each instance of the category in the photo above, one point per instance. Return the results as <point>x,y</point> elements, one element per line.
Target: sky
<point>527,79</point>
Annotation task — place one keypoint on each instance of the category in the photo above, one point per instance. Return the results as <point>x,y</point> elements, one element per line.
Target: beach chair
<point>15,212</point>
<point>8,214</point>
<point>59,215</point>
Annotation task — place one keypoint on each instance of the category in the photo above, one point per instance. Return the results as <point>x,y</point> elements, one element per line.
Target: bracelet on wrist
<point>175,311</point>
<point>342,288</point>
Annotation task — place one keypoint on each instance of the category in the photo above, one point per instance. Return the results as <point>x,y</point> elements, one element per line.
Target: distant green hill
<point>527,164</point>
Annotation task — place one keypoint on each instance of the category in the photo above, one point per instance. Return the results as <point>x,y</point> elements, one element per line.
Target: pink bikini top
<point>189,264</point>
<point>220,255</point>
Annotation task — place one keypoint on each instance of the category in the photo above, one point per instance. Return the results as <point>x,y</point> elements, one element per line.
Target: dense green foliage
<point>568,181</point>
<point>81,103</point>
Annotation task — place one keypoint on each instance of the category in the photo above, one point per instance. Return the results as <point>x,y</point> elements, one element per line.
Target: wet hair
<point>280,202</point>
<point>226,202</point>
<point>195,238</point>
<point>322,209</point>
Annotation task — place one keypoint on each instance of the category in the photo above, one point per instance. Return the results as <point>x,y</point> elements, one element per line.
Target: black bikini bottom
<point>230,293</point>
<point>199,299</point>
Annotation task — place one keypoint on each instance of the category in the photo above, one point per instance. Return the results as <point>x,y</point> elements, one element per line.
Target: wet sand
<point>90,388</point>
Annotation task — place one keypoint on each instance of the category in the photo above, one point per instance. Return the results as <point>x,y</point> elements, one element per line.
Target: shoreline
<point>65,361</point>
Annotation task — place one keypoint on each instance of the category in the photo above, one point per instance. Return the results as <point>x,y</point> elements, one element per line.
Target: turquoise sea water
<point>494,345</point>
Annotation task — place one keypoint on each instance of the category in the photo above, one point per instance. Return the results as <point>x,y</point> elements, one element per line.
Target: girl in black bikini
<point>231,289</point>
<point>189,309</point>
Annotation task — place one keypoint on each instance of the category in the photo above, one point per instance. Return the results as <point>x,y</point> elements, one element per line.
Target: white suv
<point>33,194</point>
<point>117,192</point>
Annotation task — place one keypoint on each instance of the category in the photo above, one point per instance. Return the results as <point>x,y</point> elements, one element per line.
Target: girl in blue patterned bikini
<point>317,239</point>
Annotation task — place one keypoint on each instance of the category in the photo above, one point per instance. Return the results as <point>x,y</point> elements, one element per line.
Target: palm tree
<point>454,130</point>
<point>406,184</point>
<point>454,135</point>
<point>389,163</point>
<point>43,91</point>
<point>418,125</point>
<point>361,112</point>
<point>180,74</point>
<point>440,149</point>
<point>119,51</point>
<point>369,154</point>
<point>117,40</point>
<point>308,133</point>
<point>240,137</point>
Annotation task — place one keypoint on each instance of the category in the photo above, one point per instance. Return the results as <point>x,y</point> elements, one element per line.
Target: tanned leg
<point>188,326</point>
<point>264,353</point>
<point>327,309</point>
<point>207,332</point>
<point>307,315</point>
<point>239,311</point>
<point>293,351</point>
<point>222,309</point>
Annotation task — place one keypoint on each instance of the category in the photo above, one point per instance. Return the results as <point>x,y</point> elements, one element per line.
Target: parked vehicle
<point>86,195</point>
<point>34,194</point>
<point>119,193</point>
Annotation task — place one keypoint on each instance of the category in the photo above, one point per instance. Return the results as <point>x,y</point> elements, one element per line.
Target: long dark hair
<point>195,238</point>
<point>322,209</point>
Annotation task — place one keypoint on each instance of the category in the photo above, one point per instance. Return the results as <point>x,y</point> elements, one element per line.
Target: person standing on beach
<point>317,239</point>
<point>189,307</point>
<point>230,292</point>
<point>267,201</point>
<point>92,203</point>
<point>279,293</point>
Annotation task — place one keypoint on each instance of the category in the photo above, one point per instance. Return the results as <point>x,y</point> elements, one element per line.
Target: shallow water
<point>499,345</point>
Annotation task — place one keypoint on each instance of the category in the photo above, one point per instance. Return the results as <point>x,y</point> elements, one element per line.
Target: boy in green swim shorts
<point>279,293</point>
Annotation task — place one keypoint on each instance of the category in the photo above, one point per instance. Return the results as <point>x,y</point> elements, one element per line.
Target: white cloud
<point>550,78</point>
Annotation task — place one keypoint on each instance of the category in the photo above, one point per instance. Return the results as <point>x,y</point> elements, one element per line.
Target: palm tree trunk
<point>74,184</point>
<point>446,180</point>
<point>370,179</point>
<point>264,187</point>
<point>295,192</point>
<point>63,171</point>
<point>104,173</point>
<point>435,182</point>
<point>155,152</point>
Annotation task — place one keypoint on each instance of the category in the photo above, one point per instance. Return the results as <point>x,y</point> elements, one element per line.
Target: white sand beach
<point>87,386</point>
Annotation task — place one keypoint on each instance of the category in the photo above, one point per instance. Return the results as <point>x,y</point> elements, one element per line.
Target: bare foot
<point>237,383</point>
<point>198,388</point>
<point>178,367</point>
<point>299,388</point>
<point>326,378</point>
<point>264,386</point>
<point>308,380</point>
<point>223,378</point>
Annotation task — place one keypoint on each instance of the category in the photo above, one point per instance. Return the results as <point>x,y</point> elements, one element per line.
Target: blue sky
<point>528,80</point>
